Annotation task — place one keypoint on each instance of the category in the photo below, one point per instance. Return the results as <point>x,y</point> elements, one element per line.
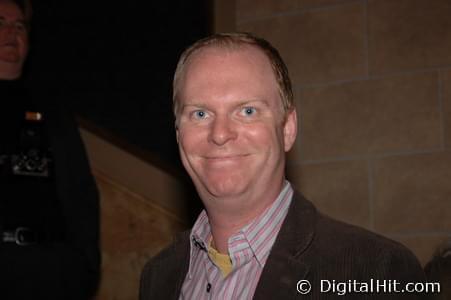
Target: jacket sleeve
<point>399,269</point>
<point>163,276</point>
<point>76,189</point>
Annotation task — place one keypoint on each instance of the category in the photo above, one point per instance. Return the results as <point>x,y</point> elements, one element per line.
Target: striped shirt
<point>248,249</point>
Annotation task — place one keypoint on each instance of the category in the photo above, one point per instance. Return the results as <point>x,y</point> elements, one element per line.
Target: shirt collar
<point>269,220</point>
<point>201,231</point>
<point>199,237</point>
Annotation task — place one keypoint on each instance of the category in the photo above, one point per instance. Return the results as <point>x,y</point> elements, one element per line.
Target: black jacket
<point>65,207</point>
<point>309,246</point>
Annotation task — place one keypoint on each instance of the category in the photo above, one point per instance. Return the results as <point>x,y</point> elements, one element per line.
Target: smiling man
<point>13,40</point>
<point>257,237</point>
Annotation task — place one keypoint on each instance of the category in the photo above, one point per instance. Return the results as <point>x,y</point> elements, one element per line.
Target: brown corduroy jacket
<point>310,246</point>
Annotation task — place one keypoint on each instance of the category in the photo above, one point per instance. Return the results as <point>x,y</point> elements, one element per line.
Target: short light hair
<point>25,8</point>
<point>234,41</point>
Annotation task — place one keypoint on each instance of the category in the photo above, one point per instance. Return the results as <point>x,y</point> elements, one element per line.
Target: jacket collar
<point>180,263</point>
<point>284,267</point>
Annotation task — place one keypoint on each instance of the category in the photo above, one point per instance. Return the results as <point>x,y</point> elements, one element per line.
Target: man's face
<point>13,40</point>
<point>232,133</point>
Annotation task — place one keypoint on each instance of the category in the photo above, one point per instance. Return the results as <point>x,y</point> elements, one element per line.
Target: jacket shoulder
<point>347,235</point>
<point>344,235</point>
<point>168,267</point>
<point>342,250</point>
<point>367,251</point>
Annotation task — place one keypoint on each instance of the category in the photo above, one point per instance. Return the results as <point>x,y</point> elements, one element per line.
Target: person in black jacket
<point>259,238</point>
<point>49,204</point>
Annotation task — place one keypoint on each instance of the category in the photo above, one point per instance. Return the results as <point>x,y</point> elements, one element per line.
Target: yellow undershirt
<point>221,260</point>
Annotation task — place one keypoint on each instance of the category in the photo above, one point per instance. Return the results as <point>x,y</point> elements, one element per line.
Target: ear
<point>290,129</point>
<point>176,131</point>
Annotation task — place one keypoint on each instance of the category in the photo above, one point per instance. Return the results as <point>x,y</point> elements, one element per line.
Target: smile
<point>10,44</point>
<point>225,159</point>
<point>8,47</point>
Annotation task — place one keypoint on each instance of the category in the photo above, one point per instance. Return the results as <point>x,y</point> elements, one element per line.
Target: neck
<point>10,71</point>
<point>227,216</point>
<point>222,228</point>
<point>5,83</point>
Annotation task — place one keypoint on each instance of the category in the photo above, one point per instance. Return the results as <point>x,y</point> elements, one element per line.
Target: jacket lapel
<point>284,267</point>
<point>179,265</point>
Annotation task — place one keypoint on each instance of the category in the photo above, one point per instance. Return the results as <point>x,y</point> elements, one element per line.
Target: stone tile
<point>254,9</point>
<point>132,231</point>
<point>412,193</point>
<point>339,189</point>
<point>224,16</point>
<point>129,222</point>
<point>318,45</point>
<point>408,34</point>
<point>447,107</point>
<point>398,113</point>
<point>120,276</point>
<point>303,4</point>
<point>422,246</point>
<point>250,9</point>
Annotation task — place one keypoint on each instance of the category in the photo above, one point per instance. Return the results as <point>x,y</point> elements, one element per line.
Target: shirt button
<point>208,287</point>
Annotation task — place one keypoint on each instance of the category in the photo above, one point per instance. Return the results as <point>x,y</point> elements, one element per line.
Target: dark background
<point>112,62</point>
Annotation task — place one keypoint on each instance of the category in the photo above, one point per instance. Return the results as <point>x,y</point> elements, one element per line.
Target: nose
<point>222,131</point>
<point>8,32</point>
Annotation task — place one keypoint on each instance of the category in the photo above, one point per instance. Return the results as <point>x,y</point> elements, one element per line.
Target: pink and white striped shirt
<point>249,249</point>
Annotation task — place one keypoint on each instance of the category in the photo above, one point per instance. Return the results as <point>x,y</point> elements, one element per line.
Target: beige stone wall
<point>142,209</point>
<point>372,82</point>
<point>133,229</point>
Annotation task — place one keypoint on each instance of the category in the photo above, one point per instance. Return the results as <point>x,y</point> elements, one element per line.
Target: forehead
<point>249,57</point>
<point>10,10</point>
<point>244,69</point>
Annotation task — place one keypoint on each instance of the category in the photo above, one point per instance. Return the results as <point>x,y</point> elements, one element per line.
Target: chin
<point>8,72</point>
<point>221,187</point>
<point>224,192</point>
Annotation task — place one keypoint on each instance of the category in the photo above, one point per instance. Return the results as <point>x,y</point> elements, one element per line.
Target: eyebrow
<point>183,106</point>
<point>21,20</point>
<point>264,101</point>
<point>245,102</point>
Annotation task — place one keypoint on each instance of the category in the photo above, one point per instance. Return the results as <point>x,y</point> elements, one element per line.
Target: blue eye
<point>200,114</point>
<point>248,111</point>
<point>20,26</point>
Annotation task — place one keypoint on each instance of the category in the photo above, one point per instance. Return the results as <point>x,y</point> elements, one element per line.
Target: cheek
<point>190,140</point>
<point>23,42</point>
<point>263,136</point>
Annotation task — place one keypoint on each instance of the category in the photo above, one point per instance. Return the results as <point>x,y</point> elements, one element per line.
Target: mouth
<point>9,43</point>
<point>9,46</point>
<point>225,156</point>
<point>225,159</point>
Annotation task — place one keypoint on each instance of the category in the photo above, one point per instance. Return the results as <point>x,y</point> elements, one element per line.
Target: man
<point>13,40</point>
<point>49,205</point>
<point>257,237</point>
